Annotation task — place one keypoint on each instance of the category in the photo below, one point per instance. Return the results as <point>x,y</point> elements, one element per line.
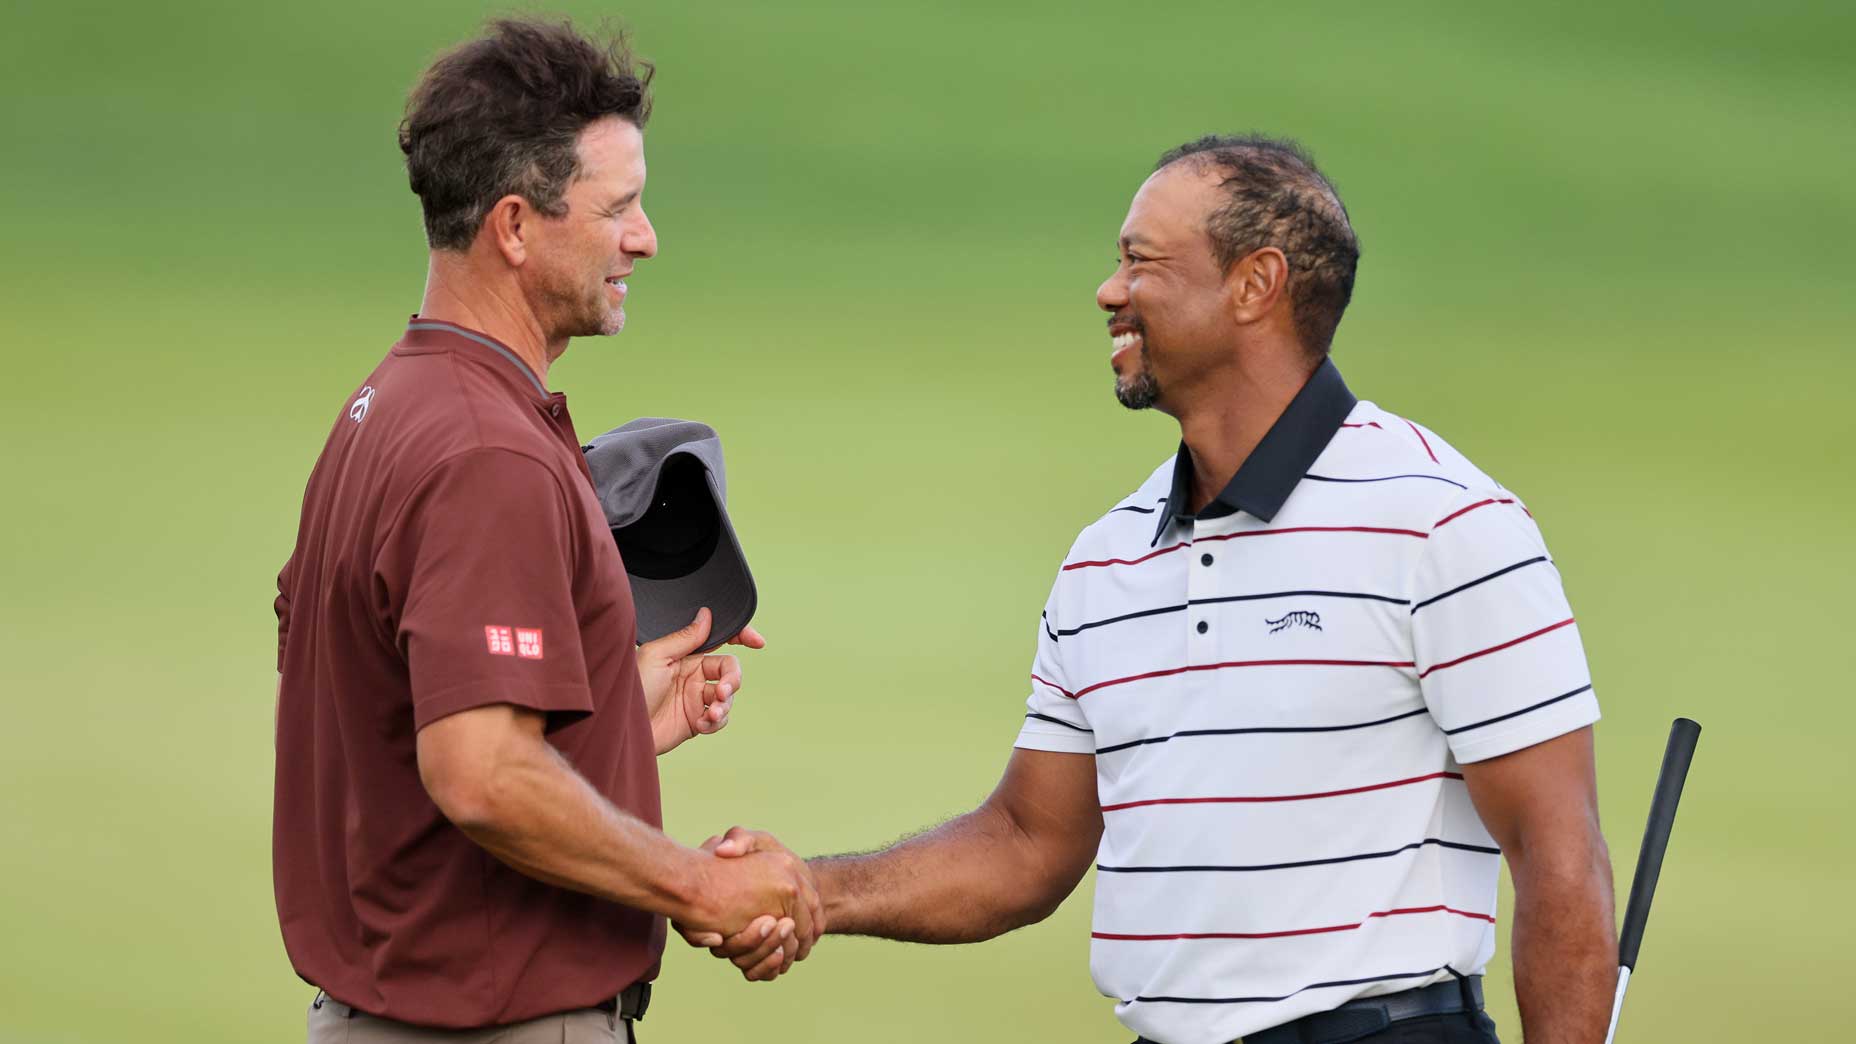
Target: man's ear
<point>1256,283</point>
<point>507,227</point>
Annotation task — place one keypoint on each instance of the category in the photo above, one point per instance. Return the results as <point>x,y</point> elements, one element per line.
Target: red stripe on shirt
<point>1086,690</point>
<point>1125,561</point>
<point>1425,441</point>
<point>1281,797</point>
<point>1368,424</point>
<point>1496,648</point>
<point>1051,684</point>
<point>1402,912</point>
<point>1478,504</point>
<point>1249,533</point>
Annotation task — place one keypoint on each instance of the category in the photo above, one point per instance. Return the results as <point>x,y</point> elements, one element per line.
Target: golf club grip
<point>1676,757</point>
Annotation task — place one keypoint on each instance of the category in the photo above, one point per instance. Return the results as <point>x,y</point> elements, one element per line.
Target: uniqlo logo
<point>528,643</point>
<point>500,640</point>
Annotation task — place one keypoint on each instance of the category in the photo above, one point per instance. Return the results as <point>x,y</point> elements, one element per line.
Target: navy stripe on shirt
<point>1459,589</point>
<point>1299,864</point>
<point>1587,687</point>
<point>1258,729</point>
<point>1384,478</point>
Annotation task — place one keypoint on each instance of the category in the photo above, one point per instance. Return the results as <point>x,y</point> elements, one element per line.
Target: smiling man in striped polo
<point>1297,695</point>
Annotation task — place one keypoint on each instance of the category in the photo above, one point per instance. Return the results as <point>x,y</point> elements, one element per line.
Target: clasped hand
<point>768,911</point>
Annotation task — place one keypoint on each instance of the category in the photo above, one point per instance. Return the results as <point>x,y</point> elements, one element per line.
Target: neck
<point>455,293</point>
<point>1233,413</point>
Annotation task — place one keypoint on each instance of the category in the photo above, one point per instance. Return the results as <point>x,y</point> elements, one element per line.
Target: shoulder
<point>487,491</point>
<point>1379,436</point>
<point>454,445</point>
<point>1405,468</point>
<point>1127,528</point>
<point>439,414</point>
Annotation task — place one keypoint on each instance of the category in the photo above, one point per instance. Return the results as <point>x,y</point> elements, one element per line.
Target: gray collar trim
<point>487,343</point>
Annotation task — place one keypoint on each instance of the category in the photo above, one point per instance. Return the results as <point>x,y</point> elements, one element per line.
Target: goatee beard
<point>1140,391</point>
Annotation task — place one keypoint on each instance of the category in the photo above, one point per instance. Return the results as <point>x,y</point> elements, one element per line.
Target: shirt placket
<point>562,424</point>
<point>1201,558</point>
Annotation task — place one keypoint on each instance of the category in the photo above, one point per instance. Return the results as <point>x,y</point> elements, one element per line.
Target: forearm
<point>544,819</point>
<point>1565,943</point>
<point>972,878</point>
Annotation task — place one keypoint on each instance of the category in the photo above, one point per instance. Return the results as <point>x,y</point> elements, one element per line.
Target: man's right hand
<point>764,913</point>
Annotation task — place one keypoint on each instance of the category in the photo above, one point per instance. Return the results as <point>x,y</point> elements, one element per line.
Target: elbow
<point>481,767</point>
<point>1049,868</point>
<point>1038,908</point>
<point>1052,879</point>
<point>470,796</point>
<point>466,801</point>
<point>1575,863</point>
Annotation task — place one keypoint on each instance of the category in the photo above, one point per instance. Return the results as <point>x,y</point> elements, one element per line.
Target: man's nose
<point>642,240</point>
<point>1112,295</point>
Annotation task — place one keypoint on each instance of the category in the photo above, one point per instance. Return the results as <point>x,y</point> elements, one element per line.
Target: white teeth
<point>1124,340</point>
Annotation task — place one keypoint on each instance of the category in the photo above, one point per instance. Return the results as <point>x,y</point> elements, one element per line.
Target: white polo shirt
<point>1279,694</point>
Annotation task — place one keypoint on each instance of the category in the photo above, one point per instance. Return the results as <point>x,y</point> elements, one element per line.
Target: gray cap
<point>665,494</point>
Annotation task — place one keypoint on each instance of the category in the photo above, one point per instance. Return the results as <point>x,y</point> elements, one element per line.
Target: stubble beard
<point>613,322</point>
<point>598,318</point>
<point>579,312</point>
<point>1140,391</point>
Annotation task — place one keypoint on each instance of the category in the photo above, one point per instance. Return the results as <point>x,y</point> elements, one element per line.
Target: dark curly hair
<point>502,115</point>
<point>1276,196</point>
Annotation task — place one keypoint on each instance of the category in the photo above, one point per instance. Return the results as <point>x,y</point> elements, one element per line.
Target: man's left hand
<point>687,694</point>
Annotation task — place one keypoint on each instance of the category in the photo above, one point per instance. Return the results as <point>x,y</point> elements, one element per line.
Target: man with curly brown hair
<point>467,835</point>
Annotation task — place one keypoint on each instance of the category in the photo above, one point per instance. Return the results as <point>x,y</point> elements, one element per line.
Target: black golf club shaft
<point>1677,755</point>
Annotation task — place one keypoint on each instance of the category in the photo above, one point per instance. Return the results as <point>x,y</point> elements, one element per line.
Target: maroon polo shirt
<point>450,555</point>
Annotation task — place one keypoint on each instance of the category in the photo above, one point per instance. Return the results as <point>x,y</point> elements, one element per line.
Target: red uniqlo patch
<point>500,641</point>
<point>528,643</point>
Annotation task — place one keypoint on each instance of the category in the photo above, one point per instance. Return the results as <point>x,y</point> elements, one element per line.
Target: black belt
<point>1368,1015</point>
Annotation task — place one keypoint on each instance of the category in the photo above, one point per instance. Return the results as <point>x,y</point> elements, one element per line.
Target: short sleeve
<point>285,580</point>
<point>1054,718</point>
<point>1498,652</point>
<point>479,577</point>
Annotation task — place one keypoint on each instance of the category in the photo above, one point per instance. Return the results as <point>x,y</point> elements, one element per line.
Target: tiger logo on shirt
<point>1298,618</point>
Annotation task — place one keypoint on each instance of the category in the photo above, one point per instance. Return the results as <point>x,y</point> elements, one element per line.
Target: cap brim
<point>722,584</point>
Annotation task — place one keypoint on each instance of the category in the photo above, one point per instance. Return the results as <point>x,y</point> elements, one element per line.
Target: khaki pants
<point>332,1022</point>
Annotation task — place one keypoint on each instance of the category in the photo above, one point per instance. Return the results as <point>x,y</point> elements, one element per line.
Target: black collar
<point>1273,469</point>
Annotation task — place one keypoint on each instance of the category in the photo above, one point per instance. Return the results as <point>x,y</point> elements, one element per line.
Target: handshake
<point>758,906</point>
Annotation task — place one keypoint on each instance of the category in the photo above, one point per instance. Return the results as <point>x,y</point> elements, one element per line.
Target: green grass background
<point>1607,254</point>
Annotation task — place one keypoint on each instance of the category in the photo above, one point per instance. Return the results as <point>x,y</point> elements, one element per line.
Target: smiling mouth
<point>1124,341</point>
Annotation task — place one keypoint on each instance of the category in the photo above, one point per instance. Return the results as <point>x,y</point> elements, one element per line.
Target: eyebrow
<point>624,200</point>
<point>1129,242</point>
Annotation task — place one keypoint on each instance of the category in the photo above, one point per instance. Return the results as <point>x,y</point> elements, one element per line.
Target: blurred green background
<point>1607,254</point>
